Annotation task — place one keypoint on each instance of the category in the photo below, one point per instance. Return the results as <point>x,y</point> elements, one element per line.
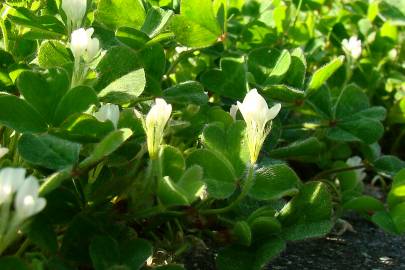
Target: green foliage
<point>118,13</point>
<point>194,27</point>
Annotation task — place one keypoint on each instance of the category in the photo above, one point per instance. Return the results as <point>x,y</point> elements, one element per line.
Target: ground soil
<point>369,248</point>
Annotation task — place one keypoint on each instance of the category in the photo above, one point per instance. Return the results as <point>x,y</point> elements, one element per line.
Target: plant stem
<point>296,15</point>
<point>337,170</point>
<point>23,247</point>
<point>156,176</point>
<point>248,183</point>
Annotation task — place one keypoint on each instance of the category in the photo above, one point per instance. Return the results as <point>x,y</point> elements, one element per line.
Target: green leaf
<point>196,26</point>
<point>389,165</point>
<point>230,142</point>
<point>104,252</point>
<point>301,148</point>
<point>296,73</point>
<point>283,93</point>
<point>323,74</point>
<point>81,230</point>
<point>303,231</point>
<point>17,114</point>
<point>393,10</point>
<point>53,53</point>
<point>117,62</point>
<point>170,194</point>
<point>397,192</point>
<point>186,93</point>
<point>45,25</point>
<point>153,60</point>
<point>313,203</point>
<point>280,68</point>
<point>48,151</point>
<point>219,174</point>
<point>44,91</point>
<point>134,253</point>
<point>260,62</point>
<point>264,227</point>
<point>351,101</point>
<point>84,128</point>
<point>321,102</point>
<point>107,146</point>
<point>191,182</point>
<point>384,220</point>
<point>118,13</point>
<point>124,89</point>
<point>398,217</point>
<point>172,162</point>
<point>156,20</point>
<point>229,80</point>
<point>76,100</point>
<point>41,232</point>
<point>274,182</point>
<point>356,120</point>
<point>264,211</point>
<point>364,204</point>
<point>12,263</point>
<point>249,258</point>
<point>241,231</point>
<point>360,129</point>
<point>131,37</point>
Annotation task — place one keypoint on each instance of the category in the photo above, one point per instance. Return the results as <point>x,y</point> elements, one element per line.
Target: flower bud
<point>110,112</point>
<point>393,54</point>
<point>256,115</point>
<point>27,203</point>
<point>10,180</point>
<point>352,47</point>
<point>154,125</point>
<point>75,11</point>
<point>83,46</point>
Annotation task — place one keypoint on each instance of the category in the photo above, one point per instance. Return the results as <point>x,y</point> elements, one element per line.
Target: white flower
<point>392,54</point>
<point>110,112</point>
<point>352,47</point>
<point>27,203</point>
<point>75,11</point>
<point>10,180</point>
<point>256,114</point>
<point>181,49</point>
<point>354,162</point>
<point>154,125</point>
<point>233,110</point>
<point>83,45</point>
<point>3,151</point>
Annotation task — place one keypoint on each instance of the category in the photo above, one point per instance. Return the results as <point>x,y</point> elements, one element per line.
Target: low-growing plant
<point>157,126</point>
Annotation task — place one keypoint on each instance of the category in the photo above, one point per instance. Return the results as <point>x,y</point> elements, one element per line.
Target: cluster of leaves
<point>200,56</point>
